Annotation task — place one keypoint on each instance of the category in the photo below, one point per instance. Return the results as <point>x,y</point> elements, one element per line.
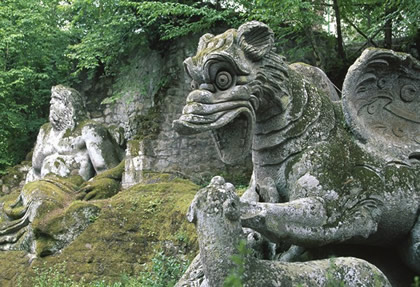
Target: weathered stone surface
<point>316,75</point>
<point>216,212</point>
<point>381,103</point>
<point>133,92</point>
<point>334,184</point>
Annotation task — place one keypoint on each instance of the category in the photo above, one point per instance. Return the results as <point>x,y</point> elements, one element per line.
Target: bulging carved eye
<point>408,93</point>
<point>223,80</point>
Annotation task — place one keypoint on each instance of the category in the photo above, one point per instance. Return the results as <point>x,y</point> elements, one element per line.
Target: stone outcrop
<point>324,171</point>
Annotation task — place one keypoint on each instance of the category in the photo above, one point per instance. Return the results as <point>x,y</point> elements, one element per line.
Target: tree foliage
<point>110,29</point>
<point>104,30</point>
<point>371,16</point>
<point>49,42</point>
<point>32,45</point>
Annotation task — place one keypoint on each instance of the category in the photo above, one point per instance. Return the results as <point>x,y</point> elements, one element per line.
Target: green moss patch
<point>131,227</point>
<point>55,231</point>
<point>12,264</point>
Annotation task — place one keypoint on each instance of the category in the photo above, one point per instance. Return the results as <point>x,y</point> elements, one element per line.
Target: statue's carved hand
<point>104,185</point>
<point>98,189</point>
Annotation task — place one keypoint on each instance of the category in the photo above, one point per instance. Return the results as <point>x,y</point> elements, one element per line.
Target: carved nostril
<point>414,156</point>
<point>199,96</point>
<point>194,85</point>
<point>208,87</point>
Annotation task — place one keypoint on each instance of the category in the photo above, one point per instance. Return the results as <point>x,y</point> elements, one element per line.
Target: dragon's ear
<point>255,39</point>
<point>203,41</point>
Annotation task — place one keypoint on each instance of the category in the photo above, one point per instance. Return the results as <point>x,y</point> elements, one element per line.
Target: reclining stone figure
<point>69,146</point>
<point>324,171</point>
<point>216,213</point>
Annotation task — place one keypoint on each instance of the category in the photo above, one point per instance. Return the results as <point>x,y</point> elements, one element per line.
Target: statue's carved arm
<point>306,221</point>
<point>215,211</point>
<point>103,151</point>
<point>38,156</point>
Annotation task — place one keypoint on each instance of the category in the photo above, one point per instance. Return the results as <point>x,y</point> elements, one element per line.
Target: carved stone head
<point>235,78</point>
<point>218,199</point>
<point>67,108</point>
<point>215,211</point>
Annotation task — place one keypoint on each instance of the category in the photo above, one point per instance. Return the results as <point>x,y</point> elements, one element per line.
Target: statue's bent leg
<point>41,196</point>
<point>305,222</point>
<point>410,249</point>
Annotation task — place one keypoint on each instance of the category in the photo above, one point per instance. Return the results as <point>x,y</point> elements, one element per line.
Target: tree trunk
<point>388,28</point>
<point>340,48</point>
<point>218,6</point>
<point>388,34</point>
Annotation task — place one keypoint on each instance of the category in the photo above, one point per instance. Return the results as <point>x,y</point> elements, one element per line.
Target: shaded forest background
<point>49,42</point>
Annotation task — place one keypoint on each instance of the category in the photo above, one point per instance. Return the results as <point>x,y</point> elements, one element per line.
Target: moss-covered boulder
<point>12,265</point>
<point>122,238</point>
<point>56,230</point>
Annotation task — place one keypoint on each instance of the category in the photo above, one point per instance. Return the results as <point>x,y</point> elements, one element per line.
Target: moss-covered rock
<point>12,265</point>
<point>104,185</point>
<point>123,237</point>
<point>56,230</point>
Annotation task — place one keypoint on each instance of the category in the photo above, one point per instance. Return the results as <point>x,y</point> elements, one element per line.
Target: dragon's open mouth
<point>231,123</point>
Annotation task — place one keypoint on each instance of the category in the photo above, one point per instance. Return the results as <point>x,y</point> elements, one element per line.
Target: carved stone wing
<point>381,103</point>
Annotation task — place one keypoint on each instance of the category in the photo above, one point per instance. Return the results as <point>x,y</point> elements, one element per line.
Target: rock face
<point>325,171</point>
<point>163,149</point>
<point>216,212</point>
<point>150,94</point>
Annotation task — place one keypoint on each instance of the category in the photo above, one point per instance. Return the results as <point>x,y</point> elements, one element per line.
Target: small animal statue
<point>325,171</point>
<point>216,211</point>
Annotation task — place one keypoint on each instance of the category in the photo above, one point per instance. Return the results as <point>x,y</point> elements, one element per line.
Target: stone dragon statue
<point>325,171</point>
